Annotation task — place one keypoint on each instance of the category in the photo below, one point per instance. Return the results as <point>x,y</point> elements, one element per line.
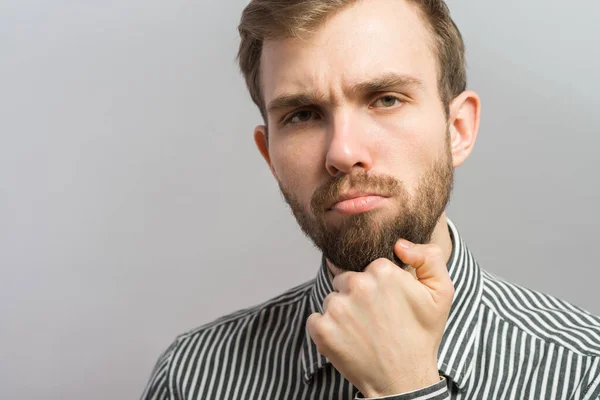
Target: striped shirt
<point>501,341</point>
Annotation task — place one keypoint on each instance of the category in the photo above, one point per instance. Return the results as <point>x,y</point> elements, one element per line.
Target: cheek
<point>404,144</point>
<point>298,166</point>
<point>411,145</point>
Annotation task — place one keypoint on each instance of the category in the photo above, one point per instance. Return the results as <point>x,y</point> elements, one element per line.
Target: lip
<point>356,202</point>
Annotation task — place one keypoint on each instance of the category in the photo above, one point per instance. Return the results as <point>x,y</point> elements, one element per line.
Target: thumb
<point>429,263</point>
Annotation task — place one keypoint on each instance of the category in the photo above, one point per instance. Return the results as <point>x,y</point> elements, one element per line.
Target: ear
<point>262,143</point>
<point>465,112</point>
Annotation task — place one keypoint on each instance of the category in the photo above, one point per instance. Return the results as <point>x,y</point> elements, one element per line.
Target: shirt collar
<point>457,349</point>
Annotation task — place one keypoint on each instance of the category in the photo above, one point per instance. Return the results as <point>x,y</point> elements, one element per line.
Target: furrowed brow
<point>384,83</point>
<point>379,84</point>
<point>294,101</point>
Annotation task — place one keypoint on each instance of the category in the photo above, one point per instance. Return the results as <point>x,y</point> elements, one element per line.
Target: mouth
<point>357,202</point>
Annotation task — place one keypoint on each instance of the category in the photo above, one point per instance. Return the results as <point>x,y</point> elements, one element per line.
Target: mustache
<point>330,191</point>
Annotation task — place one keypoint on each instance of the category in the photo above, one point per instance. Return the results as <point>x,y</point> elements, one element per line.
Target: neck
<point>440,236</point>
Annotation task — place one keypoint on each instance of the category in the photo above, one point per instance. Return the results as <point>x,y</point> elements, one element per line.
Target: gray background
<point>134,206</point>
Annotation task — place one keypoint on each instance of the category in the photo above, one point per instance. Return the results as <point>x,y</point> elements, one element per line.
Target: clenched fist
<point>381,328</point>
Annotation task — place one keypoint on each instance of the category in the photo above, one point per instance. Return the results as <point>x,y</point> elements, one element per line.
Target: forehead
<point>364,40</point>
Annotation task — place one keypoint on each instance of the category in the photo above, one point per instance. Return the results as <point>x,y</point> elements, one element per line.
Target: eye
<point>387,102</point>
<point>300,116</point>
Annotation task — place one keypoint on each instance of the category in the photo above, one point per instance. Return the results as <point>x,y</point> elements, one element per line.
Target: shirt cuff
<point>437,391</point>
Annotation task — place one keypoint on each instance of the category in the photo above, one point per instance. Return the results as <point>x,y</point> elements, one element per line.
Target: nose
<point>348,146</point>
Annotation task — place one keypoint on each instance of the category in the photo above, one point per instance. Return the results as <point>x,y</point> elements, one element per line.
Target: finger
<point>341,282</point>
<point>320,332</point>
<point>312,326</point>
<point>330,297</point>
<point>427,259</point>
<point>383,270</point>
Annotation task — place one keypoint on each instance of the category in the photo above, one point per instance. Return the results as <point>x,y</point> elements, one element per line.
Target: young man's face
<point>355,111</point>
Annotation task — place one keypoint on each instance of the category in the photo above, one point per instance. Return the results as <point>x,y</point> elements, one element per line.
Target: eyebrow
<point>295,101</point>
<point>385,82</point>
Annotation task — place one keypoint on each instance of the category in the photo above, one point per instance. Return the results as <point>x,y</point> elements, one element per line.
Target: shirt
<point>501,341</point>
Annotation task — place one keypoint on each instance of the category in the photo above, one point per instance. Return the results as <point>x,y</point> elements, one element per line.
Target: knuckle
<point>322,337</point>
<point>359,284</point>
<point>433,252</point>
<point>450,291</point>
<point>337,307</point>
<point>382,267</point>
<point>314,328</point>
<point>446,295</point>
<point>311,323</point>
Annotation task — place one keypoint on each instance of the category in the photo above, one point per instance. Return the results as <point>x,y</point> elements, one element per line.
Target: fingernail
<point>405,243</point>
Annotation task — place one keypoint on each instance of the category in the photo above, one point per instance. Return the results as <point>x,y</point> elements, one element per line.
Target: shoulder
<point>248,320</point>
<point>542,316</point>
<point>289,298</point>
<point>197,350</point>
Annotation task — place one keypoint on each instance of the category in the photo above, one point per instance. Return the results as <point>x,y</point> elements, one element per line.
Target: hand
<point>382,328</point>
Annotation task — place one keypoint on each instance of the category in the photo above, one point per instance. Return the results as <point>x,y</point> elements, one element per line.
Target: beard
<point>357,240</point>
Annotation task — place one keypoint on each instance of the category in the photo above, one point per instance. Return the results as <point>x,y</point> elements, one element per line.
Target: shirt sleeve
<point>157,387</point>
<point>437,391</point>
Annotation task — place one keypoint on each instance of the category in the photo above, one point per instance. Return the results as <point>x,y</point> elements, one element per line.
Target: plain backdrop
<point>134,205</point>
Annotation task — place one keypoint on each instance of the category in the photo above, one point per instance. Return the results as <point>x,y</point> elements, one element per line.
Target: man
<point>366,115</point>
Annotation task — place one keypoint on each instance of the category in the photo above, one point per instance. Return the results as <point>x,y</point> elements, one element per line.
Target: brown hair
<point>279,19</point>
